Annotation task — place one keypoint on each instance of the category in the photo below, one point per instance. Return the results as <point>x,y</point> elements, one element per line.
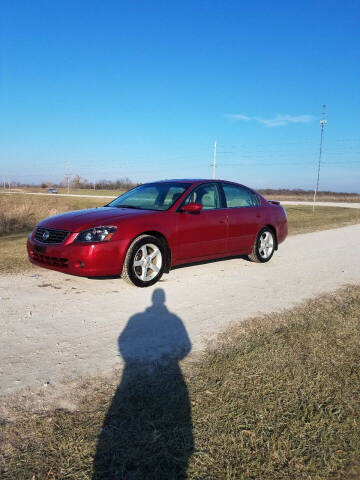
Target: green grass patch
<point>301,218</point>
<point>277,398</point>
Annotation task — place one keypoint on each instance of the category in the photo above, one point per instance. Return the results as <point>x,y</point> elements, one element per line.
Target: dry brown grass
<point>301,219</point>
<point>277,398</point>
<point>17,217</point>
<point>309,198</point>
<point>13,254</point>
<point>72,191</point>
<point>21,213</point>
<point>308,195</point>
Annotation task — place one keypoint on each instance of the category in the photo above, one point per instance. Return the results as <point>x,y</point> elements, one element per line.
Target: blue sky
<point>142,89</point>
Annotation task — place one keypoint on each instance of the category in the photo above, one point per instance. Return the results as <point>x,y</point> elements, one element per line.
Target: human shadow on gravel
<point>147,431</point>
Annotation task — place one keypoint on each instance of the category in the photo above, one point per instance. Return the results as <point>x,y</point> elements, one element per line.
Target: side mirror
<point>191,208</point>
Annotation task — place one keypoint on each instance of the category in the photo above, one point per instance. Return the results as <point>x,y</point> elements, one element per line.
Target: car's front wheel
<point>144,262</point>
<point>264,246</point>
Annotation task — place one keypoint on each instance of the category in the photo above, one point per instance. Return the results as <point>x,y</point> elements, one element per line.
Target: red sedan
<point>155,226</point>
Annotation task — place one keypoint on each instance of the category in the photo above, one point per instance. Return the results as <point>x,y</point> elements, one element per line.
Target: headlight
<point>96,234</point>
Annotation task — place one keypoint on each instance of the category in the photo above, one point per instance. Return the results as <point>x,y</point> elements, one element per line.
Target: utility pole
<point>9,182</point>
<point>323,122</point>
<point>214,161</point>
<point>68,175</point>
<point>94,184</point>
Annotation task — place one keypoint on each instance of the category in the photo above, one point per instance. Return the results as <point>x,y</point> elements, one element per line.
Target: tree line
<point>124,183</point>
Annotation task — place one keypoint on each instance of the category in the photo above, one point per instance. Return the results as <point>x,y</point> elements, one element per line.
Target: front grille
<point>54,236</point>
<point>47,260</point>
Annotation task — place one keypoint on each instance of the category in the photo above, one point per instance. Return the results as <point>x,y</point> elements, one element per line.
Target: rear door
<point>244,217</point>
<point>203,234</point>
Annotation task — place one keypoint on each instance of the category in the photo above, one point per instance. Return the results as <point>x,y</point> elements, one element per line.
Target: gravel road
<point>55,325</point>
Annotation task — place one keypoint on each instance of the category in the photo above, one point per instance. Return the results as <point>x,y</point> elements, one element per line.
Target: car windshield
<point>151,196</point>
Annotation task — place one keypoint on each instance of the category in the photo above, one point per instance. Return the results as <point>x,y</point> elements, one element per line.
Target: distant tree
<point>79,182</point>
<point>124,183</point>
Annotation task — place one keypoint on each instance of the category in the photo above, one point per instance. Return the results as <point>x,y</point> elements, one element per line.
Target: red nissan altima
<point>155,226</point>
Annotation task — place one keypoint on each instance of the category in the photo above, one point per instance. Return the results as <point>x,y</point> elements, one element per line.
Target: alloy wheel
<point>266,244</point>
<point>147,262</point>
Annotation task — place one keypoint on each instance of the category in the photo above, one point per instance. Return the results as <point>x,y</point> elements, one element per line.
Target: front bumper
<point>97,259</point>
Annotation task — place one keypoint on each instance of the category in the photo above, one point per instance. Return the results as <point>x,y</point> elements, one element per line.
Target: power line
<point>274,164</point>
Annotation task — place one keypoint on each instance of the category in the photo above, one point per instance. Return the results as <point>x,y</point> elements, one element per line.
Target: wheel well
<point>275,234</point>
<point>163,239</point>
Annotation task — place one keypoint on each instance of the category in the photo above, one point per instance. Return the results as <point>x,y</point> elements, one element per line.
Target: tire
<point>137,261</point>
<point>260,253</point>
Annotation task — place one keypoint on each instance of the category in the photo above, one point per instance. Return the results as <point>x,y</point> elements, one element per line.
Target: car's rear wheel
<point>144,262</point>
<point>264,246</point>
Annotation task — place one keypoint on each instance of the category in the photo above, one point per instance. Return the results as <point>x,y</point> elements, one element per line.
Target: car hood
<point>95,217</point>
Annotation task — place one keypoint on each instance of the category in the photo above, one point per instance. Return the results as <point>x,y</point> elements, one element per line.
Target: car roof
<point>197,181</point>
<point>189,180</point>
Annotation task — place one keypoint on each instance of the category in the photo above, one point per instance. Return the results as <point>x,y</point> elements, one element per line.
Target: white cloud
<point>238,116</point>
<point>281,120</point>
<point>277,121</point>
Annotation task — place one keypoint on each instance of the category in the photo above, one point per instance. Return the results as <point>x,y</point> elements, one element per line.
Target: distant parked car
<point>149,229</point>
<point>51,190</point>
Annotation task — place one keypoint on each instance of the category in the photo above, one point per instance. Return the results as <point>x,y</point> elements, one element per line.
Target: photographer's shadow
<point>147,431</point>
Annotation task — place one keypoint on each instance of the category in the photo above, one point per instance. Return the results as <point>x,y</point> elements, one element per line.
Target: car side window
<point>237,196</point>
<point>207,195</point>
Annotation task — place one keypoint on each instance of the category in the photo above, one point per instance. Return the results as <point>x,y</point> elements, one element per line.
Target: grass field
<point>278,398</point>
<point>19,214</point>
<point>73,191</point>
<point>302,220</point>
<point>321,197</point>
